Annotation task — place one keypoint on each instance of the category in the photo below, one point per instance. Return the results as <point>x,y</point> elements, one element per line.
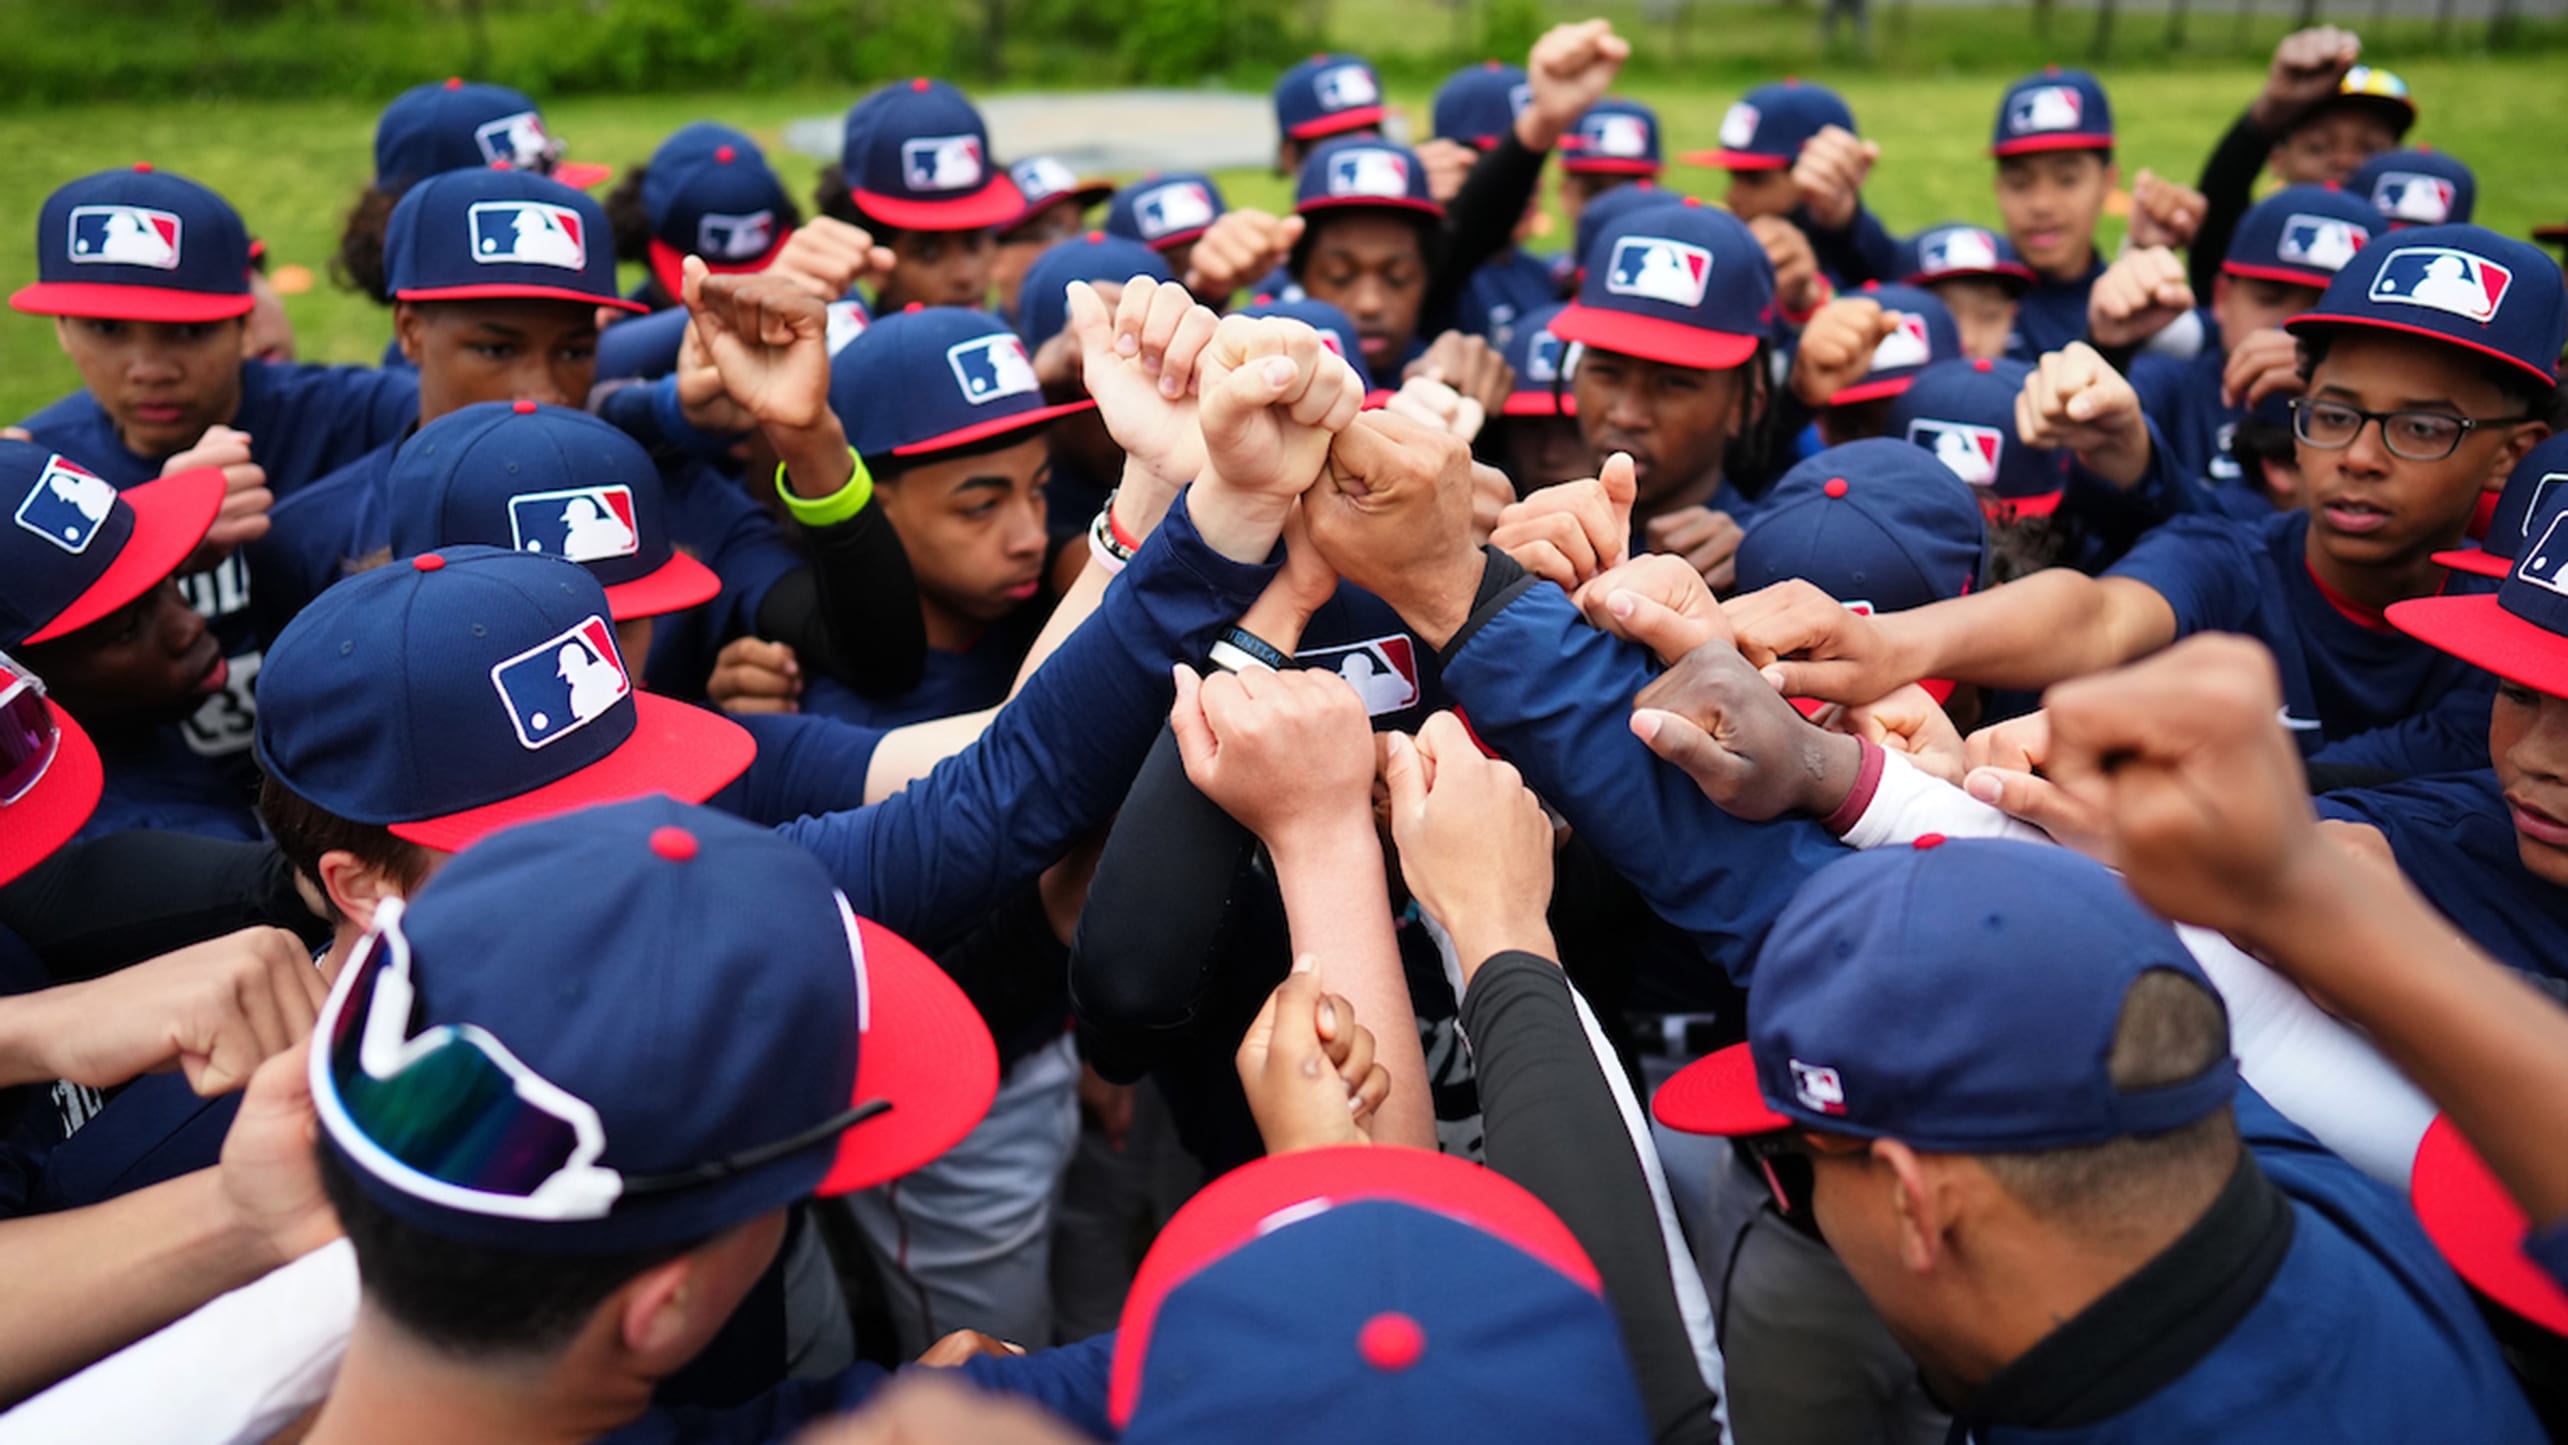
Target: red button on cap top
<point>1928,840</point>
<point>454,82</point>
<point>142,168</point>
<point>673,843</point>
<point>428,562</point>
<point>1391,1341</point>
<point>724,154</point>
<point>523,408</point>
<point>1983,364</point>
<point>1834,486</point>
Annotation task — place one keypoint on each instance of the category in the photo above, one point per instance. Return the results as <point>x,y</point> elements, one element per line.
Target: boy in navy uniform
<point>2074,1166</point>
<point>2318,119</point>
<point>1320,99</point>
<point>915,170</point>
<point>1792,151</point>
<point>1975,272</point>
<point>2430,377</point>
<point>2419,187</point>
<point>2054,147</point>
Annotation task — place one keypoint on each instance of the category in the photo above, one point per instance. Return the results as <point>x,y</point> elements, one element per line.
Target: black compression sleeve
<point>1478,225</point>
<point>101,904</point>
<point>1553,1127</point>
<point>2228,183</point>
<point>854,610</point>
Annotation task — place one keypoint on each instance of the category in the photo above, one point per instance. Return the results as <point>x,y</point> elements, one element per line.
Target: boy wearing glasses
<point>2422,394</point>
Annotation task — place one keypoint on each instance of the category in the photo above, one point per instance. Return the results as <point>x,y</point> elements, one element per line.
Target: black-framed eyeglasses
<point>2416,436</point>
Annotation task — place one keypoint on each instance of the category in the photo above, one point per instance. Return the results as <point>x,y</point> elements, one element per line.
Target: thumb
<point>1667,633</point>
<point>691,274</point>
<point>1406,776</point>
<point>2035,800</point>
<point>1676,739</point>
<point>1288,232</point>
<point>1088,319</point>
<point>1196,746</point>
<point>1621,481</point>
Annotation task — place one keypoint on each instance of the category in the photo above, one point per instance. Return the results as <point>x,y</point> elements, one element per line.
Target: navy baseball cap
<point>1478,104</point>
<point>917,156</point>
<point>487,234</point>
<point>1364,170</point>
<point>1681,285</point>
<point>1925,334</point>
<point>633,1026</point>
<point>2465,285</point>
<point>1544,365</point>
<point>2520,632</point>
<point>1766,128</point>
<point>1876,524</point>
<point>77,549</point>
<point>1043,301</point>
<point>50,775</point>
<point>553,481</point>
<point>471,689</point>
<point>1615,137</point>
<point>1337,333</point>
<point>460,125</point>
<point>2533,489</point>
<point>1328,95</point>
<point>2055,110</point>
<point>2419,187</point>
<point>710,193</point>
<point>934,378</point>
<point>1043,182</point>
<point>1957,251</point>
<point>1964,413</point>
<point>138,245</point>
<point>1460,1309</point>
<point>2021,953</point>
<point>2300,235</point>
<point>1166,209</point>
<point>1611,208</point>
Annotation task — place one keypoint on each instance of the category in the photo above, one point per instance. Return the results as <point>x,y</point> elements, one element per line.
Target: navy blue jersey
<point>951,683</point>
<point>2182,401</point>
<point>2456,843</point>
<point>641,346</point>
<point>1070,1382</point>
<point>1509,285</point>
<point>2052,314</point>
<point>2306,1305</point>
<point>156,780</point>
<point>310,536</point>
<point>2343,677</point>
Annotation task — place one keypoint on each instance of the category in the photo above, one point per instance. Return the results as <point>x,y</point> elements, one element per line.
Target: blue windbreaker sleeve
<point>2451,736</point>
<point>1554,696</point>
<point>1053,766</point>
<point>806,765</point>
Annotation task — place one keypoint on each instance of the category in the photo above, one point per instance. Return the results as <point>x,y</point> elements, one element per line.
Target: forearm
<point>2228,183</point>
<point>1479,224</point>
<point>2485,1045</point>
<point>86,1282</point>
<point>1554,1127</point>
<point>1337,909</point>
<point>2035,631</point>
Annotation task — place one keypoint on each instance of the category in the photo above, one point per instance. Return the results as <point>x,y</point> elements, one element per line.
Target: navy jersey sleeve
<point>712,516</point>
<point>1055,762</point>
<point>1069,1381</point>
<point>2207,569</point>
<point>805,766</point>
<point>644,346</point>
<point>1863,251</point>
<point>1554,696</point>
<point>2450,736</point>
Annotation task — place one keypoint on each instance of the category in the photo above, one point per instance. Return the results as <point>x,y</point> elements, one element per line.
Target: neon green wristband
<point>838,506</point>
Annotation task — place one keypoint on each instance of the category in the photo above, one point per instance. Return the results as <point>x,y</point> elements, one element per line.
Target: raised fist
<point>1830,175</point>
<point>2075,399</point>
<point>2137,297</point>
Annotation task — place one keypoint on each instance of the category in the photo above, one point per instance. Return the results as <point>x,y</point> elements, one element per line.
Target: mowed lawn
<point>294,167</point>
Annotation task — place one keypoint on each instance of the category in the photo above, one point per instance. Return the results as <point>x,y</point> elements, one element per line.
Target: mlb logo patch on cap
<point>528,233</point>
<point>124,236</point>
<point>1655,268</point>
<point>2044,109</point>
<point>518,140</point>
<point>1960,249</point>
<point>1177,206</point>
<point>563,683</point>
<point>1040,178</point>
<point>735,238</point>
<point>1906,345</point>
<point>1739,125</point>
<point>2545,563</point>
<point>847,321</point>
<point>1366,172</point>
<point>1546,359</point>
<point>1970,452</point>
<point>1818,1088</point>
<point>2407,196</point>
<point>67,505</point>
<point>1345,87</point>
<point>2323,242</point>
<point>942,163</point>
<point>992,367</point>
<point>581,524</point>
<point>1382,670</point>
<point>1619,135</point>
<point>2445,279</point>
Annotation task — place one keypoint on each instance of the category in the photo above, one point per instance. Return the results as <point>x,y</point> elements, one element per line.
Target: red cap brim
<point>1717,1095</point>
<point>1363,117</point>
<point>2480,1228</point>
<point>1255,1199</point>
<point>2066,141</point>
<point>53,810</point>
<point>2315,280</point>
<point>2474,562</point>
<point>2481,632</point>
<point>992,205</point>
<point>1538,403</point>
<point>2307,319</point>
<point>130,303</point>
<point>519,293</point>
<point>995,426</point>
<point>1609,165</point>
<point>1652,339</point>
<point>925,1051</point>
<point>1872,390</point>
<point>2007,508</point>
<point>1735,160</point>
<point>171,516</point>
<point>668,264</point>
<point>685,752</point>
<point>676,585</point>
<point>582,175</point>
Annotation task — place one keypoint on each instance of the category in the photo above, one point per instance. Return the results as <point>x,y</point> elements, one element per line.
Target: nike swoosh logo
<point>2296,724</point>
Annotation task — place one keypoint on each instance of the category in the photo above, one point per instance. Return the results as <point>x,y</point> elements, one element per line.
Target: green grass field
<point>293,167</point>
